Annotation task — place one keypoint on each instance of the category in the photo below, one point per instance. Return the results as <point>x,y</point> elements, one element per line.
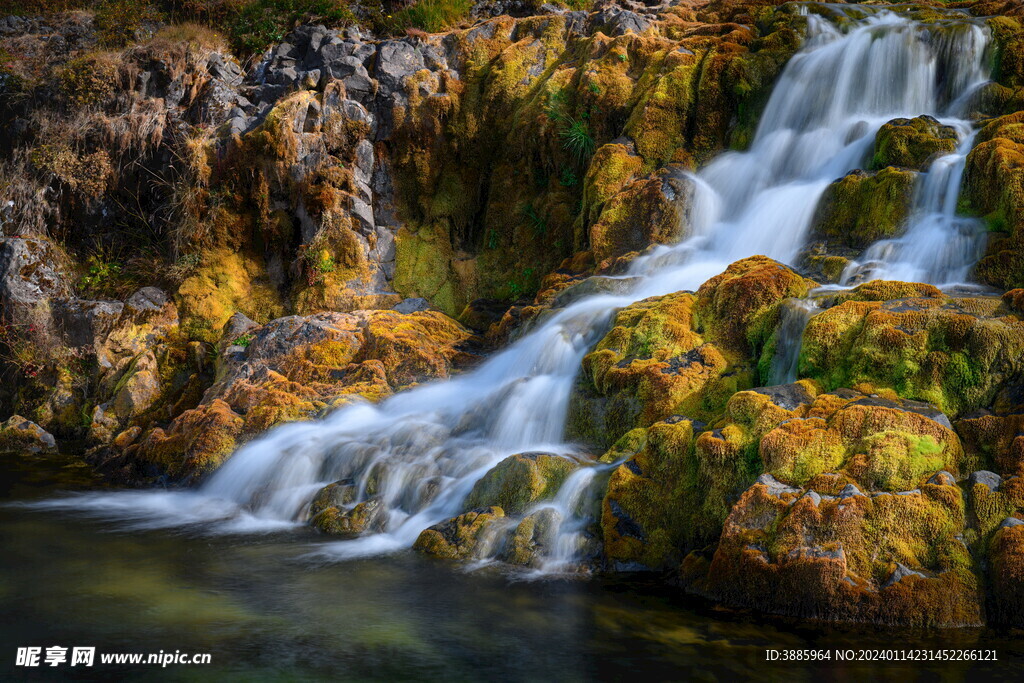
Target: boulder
<point>459,538</point>
<point>19,435</point>
<point>521,480</point>
<point>912,143</point>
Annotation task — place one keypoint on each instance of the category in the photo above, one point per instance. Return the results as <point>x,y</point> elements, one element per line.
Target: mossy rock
<point>520,480</point>
<point>893,559</point>
<point>912,143</point>
<point>955,353</point>
<point>458,538</point>
<point>862,208</point>
<point>367,516</point>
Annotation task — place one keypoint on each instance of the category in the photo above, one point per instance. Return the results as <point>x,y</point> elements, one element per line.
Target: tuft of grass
<point>577,139</point>
<point>430,15</point>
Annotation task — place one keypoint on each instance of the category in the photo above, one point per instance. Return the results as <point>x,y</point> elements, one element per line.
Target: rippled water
<point>264,611</point>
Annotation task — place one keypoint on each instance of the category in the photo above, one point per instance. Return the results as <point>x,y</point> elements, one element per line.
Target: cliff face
<point>195,251</point>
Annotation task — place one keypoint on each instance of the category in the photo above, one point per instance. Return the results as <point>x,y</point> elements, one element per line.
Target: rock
<point>337,495</point>
<point>849,559</point>
<point>30,276</point>
<point>654,363</point>
<point>885,338</point>
<point>901,572</point>
<point>413,305</point>
<point>368,516</point>
<point>86,323</point>
<point>520,480</point>
<point>912,143</point>
<point>458,538</point>
<point>776,487</point>
<point>850,491</point>
<point>942,478</point>
<point>18,435</point>
<point>862,208</point>
<point>1011,522</point>
<point>985,478</point>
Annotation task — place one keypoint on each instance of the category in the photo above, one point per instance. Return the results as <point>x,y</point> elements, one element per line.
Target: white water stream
<point>422,450</point>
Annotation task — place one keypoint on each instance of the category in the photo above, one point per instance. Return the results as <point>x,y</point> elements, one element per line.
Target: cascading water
<point>796,313</point>
<point>420,452</point>
<point>938,247</point>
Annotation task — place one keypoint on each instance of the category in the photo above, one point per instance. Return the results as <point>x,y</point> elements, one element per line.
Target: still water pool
<point>264,610</point>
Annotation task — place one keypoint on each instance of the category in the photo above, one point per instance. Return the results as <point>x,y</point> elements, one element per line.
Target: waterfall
<point>420,452</point>
<point>795,315</point>
<point>937,247</point>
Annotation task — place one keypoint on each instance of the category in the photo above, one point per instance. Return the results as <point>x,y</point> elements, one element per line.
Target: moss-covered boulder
<point>880,558</point>
<point>18,435</point>
<point>861,208</point>
<point>461,537</point>
<point>955,353</point>
<point>912,143</point>
<point>520,480</point>
<point>1006,557</point>
<point>994,188</point>
<point>681,354</point>
<point>643,513</point>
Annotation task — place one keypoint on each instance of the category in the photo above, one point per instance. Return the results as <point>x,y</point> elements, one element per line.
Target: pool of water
<point>264,609</point>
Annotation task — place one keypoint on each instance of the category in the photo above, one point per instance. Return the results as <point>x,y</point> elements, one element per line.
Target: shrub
<point>120,22</point>
<point>88,80</point>
<point>257,24</point>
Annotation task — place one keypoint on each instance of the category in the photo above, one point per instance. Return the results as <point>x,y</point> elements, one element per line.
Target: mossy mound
<point>459,538</point>
<point>956,353</point>
<point>912,143</point>
<point>862,208</point>
<point>883,558</point>
<point>520,480</point>
<point>681,354</point>
<point>994,188</point>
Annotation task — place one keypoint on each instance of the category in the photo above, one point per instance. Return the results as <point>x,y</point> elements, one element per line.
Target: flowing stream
<point>420,452</point>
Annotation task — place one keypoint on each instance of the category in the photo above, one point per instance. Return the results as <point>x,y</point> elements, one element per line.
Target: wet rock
<point>457,538</point>
<point>368,516</point>
<point>520,480</point>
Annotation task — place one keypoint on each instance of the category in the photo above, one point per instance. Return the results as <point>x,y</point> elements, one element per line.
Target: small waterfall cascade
<point>420,452</point>
<point>796,313</point>
<point>938,247</point>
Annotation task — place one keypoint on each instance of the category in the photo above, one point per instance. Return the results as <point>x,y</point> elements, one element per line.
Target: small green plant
<point>594,88</point>
<point>492,239</point>
<point>537,223</point>
<point>576,139</point>
<point>623,57</point>
<point>567,178</point>
<point>245,340</point>
<point>99,275</point>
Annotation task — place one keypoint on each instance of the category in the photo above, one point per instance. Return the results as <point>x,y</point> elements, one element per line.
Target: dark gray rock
<point>900,573</point>
<point>989,479</point>
<point>412,305</point>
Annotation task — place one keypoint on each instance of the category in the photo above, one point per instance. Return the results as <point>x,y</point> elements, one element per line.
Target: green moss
<point>860,209</point>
